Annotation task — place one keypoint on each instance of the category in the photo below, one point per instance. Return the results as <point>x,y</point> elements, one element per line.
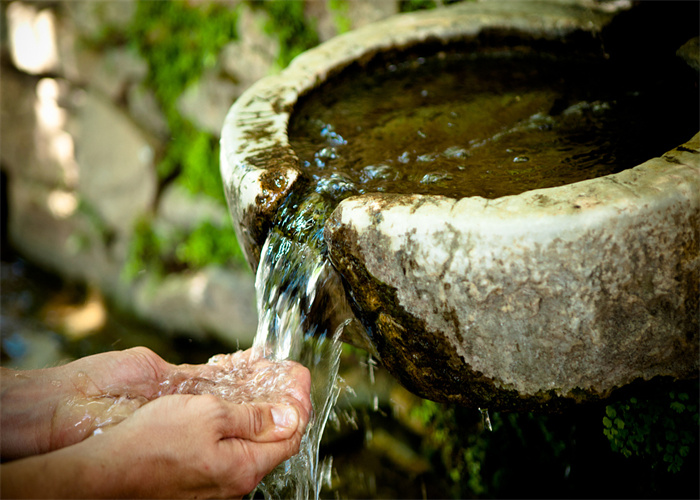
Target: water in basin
<point>488,124</point>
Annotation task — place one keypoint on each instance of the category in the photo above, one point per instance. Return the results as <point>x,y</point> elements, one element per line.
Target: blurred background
<point>115,233</point>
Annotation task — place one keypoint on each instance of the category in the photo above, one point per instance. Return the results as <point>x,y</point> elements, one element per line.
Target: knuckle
<point>256,419</point>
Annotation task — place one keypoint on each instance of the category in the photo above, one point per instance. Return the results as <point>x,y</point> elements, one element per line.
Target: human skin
<point>175,446</point>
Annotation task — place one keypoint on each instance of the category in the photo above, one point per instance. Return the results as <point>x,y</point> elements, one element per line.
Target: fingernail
<point>285,416</point>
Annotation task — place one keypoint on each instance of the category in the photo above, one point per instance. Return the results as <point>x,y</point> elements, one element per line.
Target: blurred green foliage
<point>207,245</point>
<point>661,429</point>
<point>179,42</point>
<point>340,9</point>
<point>647,447</point>
<point>288,24</point>
<point>147,248</point>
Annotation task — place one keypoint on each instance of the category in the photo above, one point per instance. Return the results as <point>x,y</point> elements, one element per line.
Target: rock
<point>211,301</point>
<point>91,18</point>
<point>143,107</point>
<point>116,173</point>
<point>241,63</point>
<point>56,235</point>
<point>358,12</point>
<point>185,210</point>
<point>524,303</point>
<point>116,70</point>
<point>33,128</point>
<point>253,55</point>
<point>206,101</point>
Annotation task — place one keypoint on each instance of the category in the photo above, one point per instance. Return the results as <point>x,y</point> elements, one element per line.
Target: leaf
<point>678,407</point>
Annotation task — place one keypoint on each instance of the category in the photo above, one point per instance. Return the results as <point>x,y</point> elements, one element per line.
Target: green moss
<point>341,19</point>
<point>145,251</point>
<point>288,23</point>
<point>208,244</point>
<point>179,42</point>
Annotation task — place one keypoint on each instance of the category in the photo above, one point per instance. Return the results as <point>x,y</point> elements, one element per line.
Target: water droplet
<point>332,137</point>
<point>520,159</point>
<point>485,419</point>
<point>328,153</point>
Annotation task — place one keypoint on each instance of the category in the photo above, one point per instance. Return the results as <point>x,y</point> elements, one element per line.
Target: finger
<point>302,386</point>
<point>261,458</point>
<point>261,422</point>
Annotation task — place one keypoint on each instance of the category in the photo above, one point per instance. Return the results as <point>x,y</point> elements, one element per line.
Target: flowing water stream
<point>302,313</point>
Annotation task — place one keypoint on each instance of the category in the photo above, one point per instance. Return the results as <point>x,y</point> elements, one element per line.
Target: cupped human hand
<point>137,371</point>
<point>103,388</point>
<point>187,446</point>
<point>41,406</point>
<point>177,446</point>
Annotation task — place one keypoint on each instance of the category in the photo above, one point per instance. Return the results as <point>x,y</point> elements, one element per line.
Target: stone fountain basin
<point>535,300</point>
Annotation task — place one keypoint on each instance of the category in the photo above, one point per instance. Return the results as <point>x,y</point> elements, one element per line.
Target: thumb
<point>261,422</point>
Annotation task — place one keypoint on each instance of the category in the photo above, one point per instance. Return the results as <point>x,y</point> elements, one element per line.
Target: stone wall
<point>81,136</point>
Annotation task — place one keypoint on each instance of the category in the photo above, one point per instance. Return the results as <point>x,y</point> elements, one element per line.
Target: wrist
<point>77,471</point>
<point>28,401</point>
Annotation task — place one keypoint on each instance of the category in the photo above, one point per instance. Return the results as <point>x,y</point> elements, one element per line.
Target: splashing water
<point>302,313</point>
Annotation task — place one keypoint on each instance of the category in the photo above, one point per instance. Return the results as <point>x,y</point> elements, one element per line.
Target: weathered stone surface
<point>181,208</point>
<point>205,101</point>
<point>116,172</point>
<point>116,70</point>
<point>542,299</point>
<point>253,55</point>
<point>558,292</point>
<point>213,301</point>
<point>144,109</point>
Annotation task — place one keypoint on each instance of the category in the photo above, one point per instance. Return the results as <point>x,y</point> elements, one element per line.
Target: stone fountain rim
<point>260,169</point>
<point>255,143</point>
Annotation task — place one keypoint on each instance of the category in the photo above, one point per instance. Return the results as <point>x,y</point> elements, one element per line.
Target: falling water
<point>302,313</point>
